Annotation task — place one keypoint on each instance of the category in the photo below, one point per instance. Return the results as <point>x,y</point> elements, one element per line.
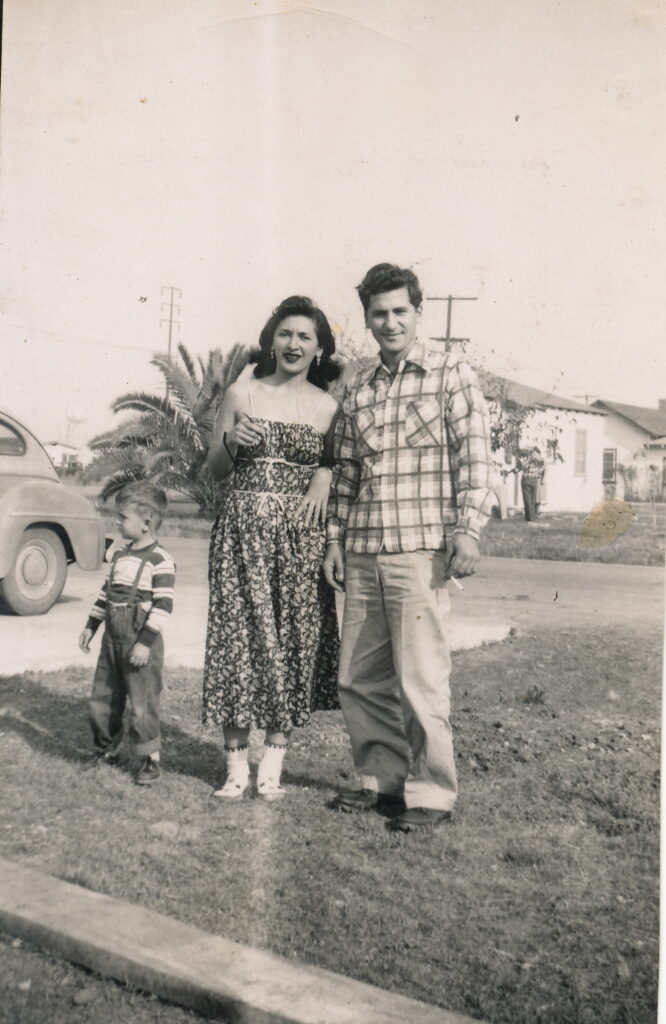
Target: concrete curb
<point>188,966</point>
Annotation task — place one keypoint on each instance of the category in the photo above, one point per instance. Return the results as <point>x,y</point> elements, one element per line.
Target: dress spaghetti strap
<point>318,407</point>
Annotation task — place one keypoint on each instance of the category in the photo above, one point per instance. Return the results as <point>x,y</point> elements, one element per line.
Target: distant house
<point>67,459</point>
<point>570,436</point>
<point>634,466</point>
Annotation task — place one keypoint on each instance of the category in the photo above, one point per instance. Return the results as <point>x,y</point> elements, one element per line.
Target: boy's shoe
<point>149,772</point>
<point>106,757</point>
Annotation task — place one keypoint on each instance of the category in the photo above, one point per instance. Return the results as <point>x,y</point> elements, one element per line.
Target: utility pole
<point>170,320</point>
<point>449,300</point>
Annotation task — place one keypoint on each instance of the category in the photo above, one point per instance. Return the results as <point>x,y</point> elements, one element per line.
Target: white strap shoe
<point>235,787</point>
<point>269,789</point>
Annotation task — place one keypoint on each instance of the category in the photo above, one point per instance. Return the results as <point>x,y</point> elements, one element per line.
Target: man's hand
<point>334,566</point>
<point>463,555</point>
<point>139,655</point>
<point>84,639</point>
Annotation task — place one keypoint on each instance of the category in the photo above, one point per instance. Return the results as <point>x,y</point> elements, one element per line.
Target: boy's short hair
<point>148,498</point>
<point>387,277</point>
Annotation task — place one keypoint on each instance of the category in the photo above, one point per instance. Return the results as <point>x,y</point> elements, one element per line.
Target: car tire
<point>37,577</point>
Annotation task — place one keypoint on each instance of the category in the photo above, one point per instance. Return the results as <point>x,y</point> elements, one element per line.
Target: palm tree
<point>166,439</point>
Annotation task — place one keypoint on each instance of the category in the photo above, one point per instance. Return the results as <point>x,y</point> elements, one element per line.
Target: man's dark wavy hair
<point>323,370</point>
<point>386,277</point>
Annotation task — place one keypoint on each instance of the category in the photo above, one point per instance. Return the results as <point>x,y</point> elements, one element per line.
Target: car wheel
<point>37,576</point>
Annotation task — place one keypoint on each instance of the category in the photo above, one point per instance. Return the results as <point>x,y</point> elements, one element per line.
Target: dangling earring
<point>272,352</point>
<point>316,360</point>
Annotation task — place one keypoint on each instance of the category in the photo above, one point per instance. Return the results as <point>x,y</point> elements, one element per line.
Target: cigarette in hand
<point>456,582</point>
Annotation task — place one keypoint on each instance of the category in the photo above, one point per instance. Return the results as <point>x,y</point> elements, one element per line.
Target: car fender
<point>48,504</point>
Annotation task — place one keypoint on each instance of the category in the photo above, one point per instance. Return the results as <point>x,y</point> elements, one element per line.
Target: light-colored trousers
<point>394,675</point>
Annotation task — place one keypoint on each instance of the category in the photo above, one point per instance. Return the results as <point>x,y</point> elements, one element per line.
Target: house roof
<point>653,421</point>
<point>523,395</point>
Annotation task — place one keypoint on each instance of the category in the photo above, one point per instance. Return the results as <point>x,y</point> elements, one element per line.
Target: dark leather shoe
<point>148,773</point>
<point>416,818</point>
<point>351,800</point>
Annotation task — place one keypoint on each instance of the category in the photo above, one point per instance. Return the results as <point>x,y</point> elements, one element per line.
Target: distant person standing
<point>533,470</point>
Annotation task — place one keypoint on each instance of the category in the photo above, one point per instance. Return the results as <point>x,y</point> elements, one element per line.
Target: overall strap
<point>144,558</point>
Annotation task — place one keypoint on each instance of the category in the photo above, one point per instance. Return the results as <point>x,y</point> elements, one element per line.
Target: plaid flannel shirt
<point>412,456</point>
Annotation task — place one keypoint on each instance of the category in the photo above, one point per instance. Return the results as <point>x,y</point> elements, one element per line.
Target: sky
<point>244,151</point>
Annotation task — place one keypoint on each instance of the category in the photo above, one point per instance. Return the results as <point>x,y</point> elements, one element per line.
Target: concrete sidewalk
<point>529,594</point>
<point>185,965</point>
<point>48,642</point>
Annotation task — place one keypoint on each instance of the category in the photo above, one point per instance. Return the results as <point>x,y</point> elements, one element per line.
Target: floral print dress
<point>272,642</point>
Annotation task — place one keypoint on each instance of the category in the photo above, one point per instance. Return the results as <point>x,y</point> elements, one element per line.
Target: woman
<point>272,643</point>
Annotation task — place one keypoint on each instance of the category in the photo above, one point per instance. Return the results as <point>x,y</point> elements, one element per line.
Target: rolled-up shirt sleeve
<point>471,458</point>
<point>345,481</point>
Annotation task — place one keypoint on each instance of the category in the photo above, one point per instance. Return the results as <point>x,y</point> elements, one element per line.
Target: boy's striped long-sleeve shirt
<point>154,588</point>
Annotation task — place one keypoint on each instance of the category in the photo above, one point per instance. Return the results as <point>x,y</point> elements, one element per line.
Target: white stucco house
<point>67,458</point>
<point>634,457</point>
<point>571,439</point>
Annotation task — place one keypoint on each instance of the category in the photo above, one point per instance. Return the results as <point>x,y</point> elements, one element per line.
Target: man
<point>412,465</point>
<point>533,471</point>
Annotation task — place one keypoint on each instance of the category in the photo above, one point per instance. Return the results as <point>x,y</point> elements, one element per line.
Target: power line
<point>55,339</point>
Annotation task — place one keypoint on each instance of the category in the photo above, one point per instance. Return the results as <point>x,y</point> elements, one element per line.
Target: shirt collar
<point>418,354</point>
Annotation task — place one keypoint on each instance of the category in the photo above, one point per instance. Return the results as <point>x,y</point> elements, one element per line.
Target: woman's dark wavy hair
<point>386,277</point>
<point>321,372</point>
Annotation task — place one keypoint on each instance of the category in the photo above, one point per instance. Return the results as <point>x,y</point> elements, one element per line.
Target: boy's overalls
<point>116,679</point>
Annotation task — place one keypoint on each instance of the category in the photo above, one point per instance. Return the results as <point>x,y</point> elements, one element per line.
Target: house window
<point>610,465</point>
<point>11,443</point>
<point>580,456</point>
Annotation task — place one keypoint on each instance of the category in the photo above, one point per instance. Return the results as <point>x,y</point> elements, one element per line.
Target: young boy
<point>134,603</point>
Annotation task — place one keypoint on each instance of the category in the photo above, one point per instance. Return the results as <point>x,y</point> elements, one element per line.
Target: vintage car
<point>43,524</point>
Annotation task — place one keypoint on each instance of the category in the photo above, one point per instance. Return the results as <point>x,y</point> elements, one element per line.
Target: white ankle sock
<point>270,766</point>
<point>238,772</point>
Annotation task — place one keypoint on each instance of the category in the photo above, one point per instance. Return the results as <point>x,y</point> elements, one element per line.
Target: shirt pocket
<point>423,423</point>
<point>366,429</point>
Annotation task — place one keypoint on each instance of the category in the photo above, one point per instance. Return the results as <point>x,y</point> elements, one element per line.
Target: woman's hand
<point>315,501</point>
<point>245,432</point>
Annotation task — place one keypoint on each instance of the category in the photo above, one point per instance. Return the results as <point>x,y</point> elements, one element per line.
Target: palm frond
<point>141,401</point>
<point>188,363</point>
<point>179,382</point>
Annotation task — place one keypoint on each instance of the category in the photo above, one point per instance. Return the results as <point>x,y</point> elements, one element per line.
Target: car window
<point>11,442</point>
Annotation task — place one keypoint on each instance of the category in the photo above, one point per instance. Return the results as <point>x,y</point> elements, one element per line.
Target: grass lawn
<point>564,536</point>
<point>35,986</point>
<point>574,537</point>
<point>537,904</point>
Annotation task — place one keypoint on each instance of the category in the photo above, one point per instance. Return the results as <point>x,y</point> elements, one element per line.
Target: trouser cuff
<point>147,748</point>
<point>430,795</point>
<point>376,785</point>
